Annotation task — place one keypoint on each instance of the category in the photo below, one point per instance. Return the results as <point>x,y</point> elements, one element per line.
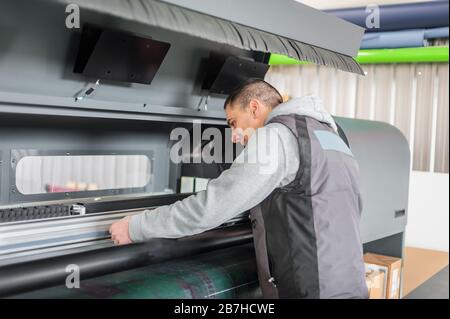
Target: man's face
<point>244,121</point>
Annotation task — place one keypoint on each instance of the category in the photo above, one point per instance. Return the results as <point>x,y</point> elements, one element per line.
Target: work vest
<point>306,234</point>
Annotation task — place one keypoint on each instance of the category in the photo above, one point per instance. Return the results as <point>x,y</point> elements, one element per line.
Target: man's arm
<point>236,190</point>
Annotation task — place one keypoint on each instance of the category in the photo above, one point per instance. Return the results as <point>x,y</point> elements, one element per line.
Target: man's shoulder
<point>280,129</point>
<point>277,132</point>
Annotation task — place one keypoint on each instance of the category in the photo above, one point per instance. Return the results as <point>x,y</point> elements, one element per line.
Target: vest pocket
<point>271,268</point>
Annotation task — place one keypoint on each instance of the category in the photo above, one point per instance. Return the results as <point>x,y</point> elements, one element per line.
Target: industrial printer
<point>90,92</point>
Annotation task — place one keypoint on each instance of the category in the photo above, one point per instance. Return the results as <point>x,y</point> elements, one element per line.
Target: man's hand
<point>119,232</point>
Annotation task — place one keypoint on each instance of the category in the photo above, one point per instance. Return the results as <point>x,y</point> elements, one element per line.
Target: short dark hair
<point>254,89</point>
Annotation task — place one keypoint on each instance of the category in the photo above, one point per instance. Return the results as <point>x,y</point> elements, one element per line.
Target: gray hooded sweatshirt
<point>247,183</point>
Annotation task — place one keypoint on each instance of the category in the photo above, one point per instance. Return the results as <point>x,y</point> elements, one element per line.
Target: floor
<point>425,274</point>
<point>434,288</point>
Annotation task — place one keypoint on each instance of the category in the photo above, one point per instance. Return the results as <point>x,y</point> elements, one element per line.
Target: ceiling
<point>335,4</point>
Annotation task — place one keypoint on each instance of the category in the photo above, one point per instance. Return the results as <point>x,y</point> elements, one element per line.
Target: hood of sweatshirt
<point>310,106</point>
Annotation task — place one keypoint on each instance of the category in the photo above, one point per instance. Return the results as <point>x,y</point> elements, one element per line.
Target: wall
<point>428,216</point>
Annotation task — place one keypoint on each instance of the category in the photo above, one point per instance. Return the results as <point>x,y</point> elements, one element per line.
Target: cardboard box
<point>376,283</point>
<point>391,267</point>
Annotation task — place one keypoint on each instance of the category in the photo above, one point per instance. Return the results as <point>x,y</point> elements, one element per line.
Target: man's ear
<point>254,107</point>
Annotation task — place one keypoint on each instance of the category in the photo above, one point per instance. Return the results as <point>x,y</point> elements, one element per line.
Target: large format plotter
<point>86,116</point>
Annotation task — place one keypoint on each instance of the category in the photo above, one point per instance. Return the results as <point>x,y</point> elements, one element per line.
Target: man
<point>305,212</point>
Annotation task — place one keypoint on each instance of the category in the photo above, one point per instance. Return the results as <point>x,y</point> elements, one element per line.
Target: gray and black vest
<point>306,234</point>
